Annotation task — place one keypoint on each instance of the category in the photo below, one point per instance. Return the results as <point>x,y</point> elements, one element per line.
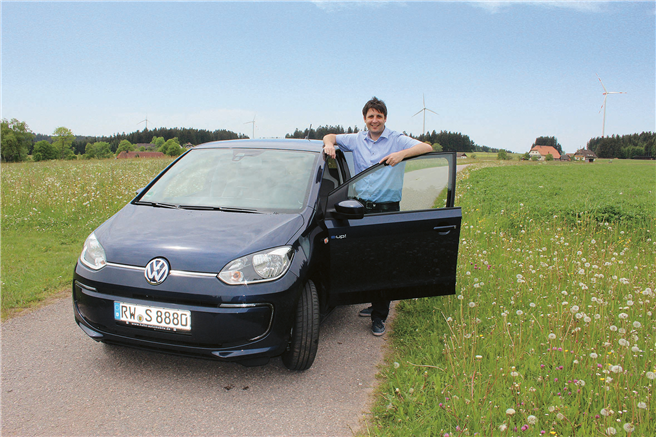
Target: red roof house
<point>543,151</point>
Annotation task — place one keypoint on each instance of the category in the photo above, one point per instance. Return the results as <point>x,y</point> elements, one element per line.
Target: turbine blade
<point>432,111</point>
<point>602,84</point>
<point>418,112</point>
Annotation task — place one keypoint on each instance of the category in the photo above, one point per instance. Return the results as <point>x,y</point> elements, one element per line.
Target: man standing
<point>377,144</point>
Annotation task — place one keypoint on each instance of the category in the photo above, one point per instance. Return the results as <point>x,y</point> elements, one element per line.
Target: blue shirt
<point>384,185</point>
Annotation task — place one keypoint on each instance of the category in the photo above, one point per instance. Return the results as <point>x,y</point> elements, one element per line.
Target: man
<point>377,144</point>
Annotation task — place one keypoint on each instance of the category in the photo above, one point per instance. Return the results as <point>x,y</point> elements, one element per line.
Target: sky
<point>503,73</point>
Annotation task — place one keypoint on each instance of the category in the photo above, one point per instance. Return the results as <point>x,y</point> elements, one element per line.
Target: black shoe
<point>377,327</point>
<point>366,312</point>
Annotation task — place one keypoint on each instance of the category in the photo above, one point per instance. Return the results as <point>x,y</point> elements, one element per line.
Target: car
<point>239,249</point>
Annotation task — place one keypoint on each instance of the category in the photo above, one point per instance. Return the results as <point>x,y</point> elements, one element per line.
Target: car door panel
<point>395,255</point>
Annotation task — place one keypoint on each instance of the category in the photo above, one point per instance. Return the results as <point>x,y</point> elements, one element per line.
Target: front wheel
<point>305,332</point>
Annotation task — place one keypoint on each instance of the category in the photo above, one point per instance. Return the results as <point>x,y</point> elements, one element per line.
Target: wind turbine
<point>252,122</point>
<point>146,120</point>
<point>424,109</point>
<point>606,92</point>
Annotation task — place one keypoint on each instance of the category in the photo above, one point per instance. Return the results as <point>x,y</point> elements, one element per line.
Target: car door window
<point>424,182</point>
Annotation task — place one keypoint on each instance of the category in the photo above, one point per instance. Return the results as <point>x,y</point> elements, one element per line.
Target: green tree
<point>44,151</point>
<point>171,147</point>
<point>16,140</point>
<point>98,150</point>
<point>158,141</point>
<point>526,156</point>
<point>124,145</point>
<point>502,155</point>
<point>549,157</point>
<point>437,147</point>
<point>63,139</point>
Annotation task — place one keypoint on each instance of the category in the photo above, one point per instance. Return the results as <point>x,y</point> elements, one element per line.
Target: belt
<point>379,206</point>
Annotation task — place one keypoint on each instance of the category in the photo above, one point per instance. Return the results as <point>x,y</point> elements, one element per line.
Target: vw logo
<point>156,271</point>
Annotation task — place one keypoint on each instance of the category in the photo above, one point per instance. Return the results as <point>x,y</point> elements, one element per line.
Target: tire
<point>304,340</point>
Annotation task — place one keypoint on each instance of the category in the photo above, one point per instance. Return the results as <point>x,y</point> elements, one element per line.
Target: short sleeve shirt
<point>367,152</point>
<point>386,184</point>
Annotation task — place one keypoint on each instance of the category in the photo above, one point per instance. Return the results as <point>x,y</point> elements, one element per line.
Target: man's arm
<point>396,157</point>
<point>329,142</point>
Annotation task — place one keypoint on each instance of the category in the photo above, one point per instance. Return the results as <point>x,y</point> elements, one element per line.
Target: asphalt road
<point>58,382</point>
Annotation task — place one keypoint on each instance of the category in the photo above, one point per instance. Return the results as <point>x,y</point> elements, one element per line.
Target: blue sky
<point>503,73</point>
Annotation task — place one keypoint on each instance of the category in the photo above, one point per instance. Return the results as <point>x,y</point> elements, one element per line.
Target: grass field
<point>552,330</point>
<point>48,209</point>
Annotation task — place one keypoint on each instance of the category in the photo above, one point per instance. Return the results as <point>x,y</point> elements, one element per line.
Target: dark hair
<point>376,104</point>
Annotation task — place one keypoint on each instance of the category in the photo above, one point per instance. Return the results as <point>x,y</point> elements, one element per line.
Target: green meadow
<point>552,329</point>
<point>48,210</point>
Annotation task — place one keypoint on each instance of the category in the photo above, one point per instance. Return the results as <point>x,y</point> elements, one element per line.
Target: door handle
<point>443,230</point>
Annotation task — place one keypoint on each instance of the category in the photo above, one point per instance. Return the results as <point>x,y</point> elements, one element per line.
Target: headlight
<point>266,265</point>
<point>93,254</point>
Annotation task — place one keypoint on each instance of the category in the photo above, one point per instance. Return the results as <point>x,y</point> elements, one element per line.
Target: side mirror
<point>349,209</point>
<point>139,191</point>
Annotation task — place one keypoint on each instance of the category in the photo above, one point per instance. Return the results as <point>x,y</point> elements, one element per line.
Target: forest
<point>634,146</point>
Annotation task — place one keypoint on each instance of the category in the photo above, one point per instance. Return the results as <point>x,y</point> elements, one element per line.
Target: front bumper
<point>230,323</point>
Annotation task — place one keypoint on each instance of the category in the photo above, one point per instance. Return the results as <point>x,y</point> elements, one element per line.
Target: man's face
<point>375,121</point>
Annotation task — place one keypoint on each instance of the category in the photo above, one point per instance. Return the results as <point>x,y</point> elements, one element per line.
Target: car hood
<point>198,241</point>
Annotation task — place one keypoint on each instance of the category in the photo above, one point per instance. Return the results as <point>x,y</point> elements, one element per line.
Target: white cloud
<point>494,6</point>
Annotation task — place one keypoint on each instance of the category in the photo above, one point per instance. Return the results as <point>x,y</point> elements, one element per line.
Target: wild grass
<point>552,329</point>
<point>48,209</point>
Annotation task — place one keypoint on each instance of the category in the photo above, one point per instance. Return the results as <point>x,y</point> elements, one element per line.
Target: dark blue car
<point>238,249</point>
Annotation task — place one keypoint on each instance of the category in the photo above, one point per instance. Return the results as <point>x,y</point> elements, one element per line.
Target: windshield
<point>260,180</point>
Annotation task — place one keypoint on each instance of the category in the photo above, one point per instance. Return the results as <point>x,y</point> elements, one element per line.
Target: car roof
<point>281,144</point>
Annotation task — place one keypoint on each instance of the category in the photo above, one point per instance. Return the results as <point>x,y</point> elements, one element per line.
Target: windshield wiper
<point>246,210</point>
<point>218,208</point>
<point>157,204</point>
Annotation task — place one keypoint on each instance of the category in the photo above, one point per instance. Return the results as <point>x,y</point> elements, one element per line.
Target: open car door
<point>376,252</point>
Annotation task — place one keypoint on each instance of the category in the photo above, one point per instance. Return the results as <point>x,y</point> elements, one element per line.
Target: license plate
<point>165,319</point>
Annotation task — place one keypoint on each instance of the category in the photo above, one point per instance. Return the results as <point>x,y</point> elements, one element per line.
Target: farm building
<point>130,155</point>
<point>543,151</point>
<point>584,155</point>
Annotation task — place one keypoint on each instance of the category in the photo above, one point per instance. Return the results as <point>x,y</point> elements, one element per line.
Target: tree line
<point>18,141</point>
<point>321,131</point>
<point>632,146</point>
<point>184,135</point>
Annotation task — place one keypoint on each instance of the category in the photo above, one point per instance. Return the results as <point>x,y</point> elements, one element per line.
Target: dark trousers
<point>380,309</point>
